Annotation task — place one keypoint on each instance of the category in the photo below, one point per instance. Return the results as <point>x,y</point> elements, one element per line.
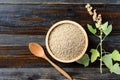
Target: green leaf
<point>107,59</point>
<point>84,60</point>
<point>96,24</point>
<point>108,30</point>
<point>91,29</point>
<point>94,55</point>
<point>104,26</point>
<point>115,68</point>
<point>116,55</point>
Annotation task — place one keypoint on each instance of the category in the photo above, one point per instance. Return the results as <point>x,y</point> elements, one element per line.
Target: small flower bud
<point>89,9</point>
<point>87,6</point>
<point>94,15</point>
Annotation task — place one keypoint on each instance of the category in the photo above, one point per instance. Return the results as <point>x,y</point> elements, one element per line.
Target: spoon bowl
<point>38,51</point>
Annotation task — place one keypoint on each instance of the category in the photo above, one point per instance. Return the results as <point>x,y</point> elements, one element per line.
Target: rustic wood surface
<point>23,21</point>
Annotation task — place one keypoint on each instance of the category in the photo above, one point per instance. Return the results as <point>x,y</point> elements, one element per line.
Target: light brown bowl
<point>66,41</point>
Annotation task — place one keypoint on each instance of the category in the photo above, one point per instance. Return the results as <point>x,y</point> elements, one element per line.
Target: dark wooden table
<point>27,21</point>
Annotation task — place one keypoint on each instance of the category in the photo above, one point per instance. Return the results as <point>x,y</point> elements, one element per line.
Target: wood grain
<point>59,1</point>
<point>52,74</point>
<point>37,19</point>
<point>23,21</point>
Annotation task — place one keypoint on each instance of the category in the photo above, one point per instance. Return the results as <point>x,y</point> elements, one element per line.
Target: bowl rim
<point>52,28</point>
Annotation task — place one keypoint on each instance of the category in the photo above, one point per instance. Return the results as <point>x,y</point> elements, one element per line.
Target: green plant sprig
<point>101,31</point>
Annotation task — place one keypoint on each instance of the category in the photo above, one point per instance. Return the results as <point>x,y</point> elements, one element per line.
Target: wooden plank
<point>20,42</point>
<point>52,74</point>
<point>22,62</point>
<point>37,19</point>
<point>59,2</point>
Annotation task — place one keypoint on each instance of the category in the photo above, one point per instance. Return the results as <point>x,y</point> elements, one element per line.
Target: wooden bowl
<point>66,41</point>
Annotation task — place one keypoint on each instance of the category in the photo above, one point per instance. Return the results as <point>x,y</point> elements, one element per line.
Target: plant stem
<point>101,50</point>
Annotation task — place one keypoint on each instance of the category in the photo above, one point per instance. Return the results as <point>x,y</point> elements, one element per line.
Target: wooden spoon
<point>38,51</point>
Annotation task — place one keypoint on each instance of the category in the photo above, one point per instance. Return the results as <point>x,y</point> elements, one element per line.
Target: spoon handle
<point>58,68</point>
